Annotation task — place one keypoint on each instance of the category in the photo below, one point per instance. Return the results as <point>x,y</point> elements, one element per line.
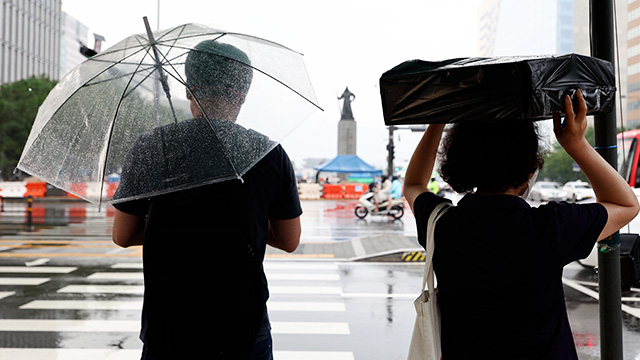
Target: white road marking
<point>38,269</point>
<point>70,354</point>
<point>303,277</point>
<point>23,281</point>
<point>83,305</point>
<point>116,276</point>
<point>305,306</point>
<point>274,265</point>
<point>594,294</point>
<point>307,328</point>
<point>107,289</point>
<point>70,325</point>
<point>306,290</point>
<point>313,355</point>
<point>4,294</point>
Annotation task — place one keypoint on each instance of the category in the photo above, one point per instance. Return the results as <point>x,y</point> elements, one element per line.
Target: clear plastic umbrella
<point>170,110</point>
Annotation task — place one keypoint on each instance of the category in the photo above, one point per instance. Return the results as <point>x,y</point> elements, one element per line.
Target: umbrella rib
<point>111,127</point>
<point>262,72</point>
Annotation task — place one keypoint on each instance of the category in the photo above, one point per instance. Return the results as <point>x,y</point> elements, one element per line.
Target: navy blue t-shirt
<point>498,264</point>
<point>177,270</point>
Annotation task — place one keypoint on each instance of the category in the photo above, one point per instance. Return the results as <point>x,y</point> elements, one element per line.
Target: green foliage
<point>558,165</point>
<point>19,103</point>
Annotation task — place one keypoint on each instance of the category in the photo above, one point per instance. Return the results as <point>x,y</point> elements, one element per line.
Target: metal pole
<point>609,282</point>
<point>390,152</point>
<point>30,213</point>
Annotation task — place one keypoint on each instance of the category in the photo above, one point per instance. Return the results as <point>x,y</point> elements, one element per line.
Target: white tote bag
<point>425,342</point>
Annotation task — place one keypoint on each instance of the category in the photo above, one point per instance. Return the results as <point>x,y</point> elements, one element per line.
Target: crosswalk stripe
<point>4,294</point>
<point>303,277</point>
<point>70,354</point>
<point>305,306</point>
<point>136,265</point>
<point>274,265</point>
<point>134,354</point>
<point>107,289</point>
<point>116,276</point>
<point>70,325</point>
<point>307,290</point>
<point>315,328</point>
<point>22,281</point>
<point>313,355</point>
<point>55,325</point>
<point>37,269</point>
<point>83,305</point>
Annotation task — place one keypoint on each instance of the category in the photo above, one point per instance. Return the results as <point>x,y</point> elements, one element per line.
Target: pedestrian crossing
<point>306,301</point>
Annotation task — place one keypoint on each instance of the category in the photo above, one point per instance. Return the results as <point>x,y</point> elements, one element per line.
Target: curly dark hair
<point>491,157</point>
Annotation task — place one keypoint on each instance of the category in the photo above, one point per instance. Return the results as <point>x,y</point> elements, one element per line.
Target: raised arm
<point>610,188</point>
<point>421,164</point>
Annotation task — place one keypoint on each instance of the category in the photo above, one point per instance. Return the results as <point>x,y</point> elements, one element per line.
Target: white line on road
<point>133,265</point>
<point>70,325</point>
<point>306,328</point>
<point>313,355</point>
<point>306,290</point>
<point>305,306</point>
<point>23,281</point>
<point>273,265</point>
<point>304,277</point>
<point>594,294</point>
<point>116,276</point>
<point>134,354</point>
<point>39,269</point>
<point>4,294</point>
<point>107,289</point>
<point>70,354</point>
<point>83,305</point>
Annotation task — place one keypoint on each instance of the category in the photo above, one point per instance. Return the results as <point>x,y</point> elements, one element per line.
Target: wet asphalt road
<point>80,297</point>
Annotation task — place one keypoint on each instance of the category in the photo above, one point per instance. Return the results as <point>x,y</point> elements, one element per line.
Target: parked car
<point>578,190</point>
<point>547,191</point>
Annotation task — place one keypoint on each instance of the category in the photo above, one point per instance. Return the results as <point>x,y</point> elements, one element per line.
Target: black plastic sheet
<point>493,89</point>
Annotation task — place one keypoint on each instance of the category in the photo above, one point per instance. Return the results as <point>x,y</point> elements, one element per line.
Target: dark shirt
<point>177,268</point>
<point>498,264</point>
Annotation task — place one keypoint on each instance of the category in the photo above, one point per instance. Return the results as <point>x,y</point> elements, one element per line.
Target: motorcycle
<point>366,205</point>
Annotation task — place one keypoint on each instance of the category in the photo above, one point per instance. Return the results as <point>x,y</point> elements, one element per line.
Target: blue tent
<point>348,164</point>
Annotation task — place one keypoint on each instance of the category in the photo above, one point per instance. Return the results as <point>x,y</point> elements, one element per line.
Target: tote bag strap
<point>428,278</point>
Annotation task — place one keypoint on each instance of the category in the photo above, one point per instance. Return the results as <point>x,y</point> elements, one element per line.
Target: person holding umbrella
<point>495,246</point>
<point>208,240</point>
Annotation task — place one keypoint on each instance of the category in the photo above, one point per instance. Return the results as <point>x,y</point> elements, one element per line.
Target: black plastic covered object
<point>493,89</point>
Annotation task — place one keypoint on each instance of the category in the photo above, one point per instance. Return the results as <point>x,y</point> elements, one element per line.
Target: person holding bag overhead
<point>497,260</point>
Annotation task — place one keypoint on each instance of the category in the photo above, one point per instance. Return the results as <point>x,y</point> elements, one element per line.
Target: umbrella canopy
<point>348,164</point>
<point>170,110</point>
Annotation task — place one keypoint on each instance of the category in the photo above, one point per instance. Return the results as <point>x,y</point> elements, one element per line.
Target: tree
<point>558,165</point>
<point>19,103</point>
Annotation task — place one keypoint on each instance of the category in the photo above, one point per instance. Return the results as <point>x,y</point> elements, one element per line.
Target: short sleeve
<point>287,202</point>
<point>578,228</point>
<point>422,207</point>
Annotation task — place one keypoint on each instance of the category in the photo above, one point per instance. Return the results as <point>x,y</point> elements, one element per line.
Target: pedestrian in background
<point>498,261</point>
<point>196,284</point>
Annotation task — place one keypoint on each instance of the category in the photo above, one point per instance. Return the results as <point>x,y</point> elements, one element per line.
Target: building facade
<point>30,32</point>
<point>73,33</point>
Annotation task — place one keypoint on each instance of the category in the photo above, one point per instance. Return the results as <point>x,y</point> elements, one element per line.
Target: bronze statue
<point>348,97</point>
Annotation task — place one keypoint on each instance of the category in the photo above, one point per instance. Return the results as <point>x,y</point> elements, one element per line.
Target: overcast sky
<point>344,42</point>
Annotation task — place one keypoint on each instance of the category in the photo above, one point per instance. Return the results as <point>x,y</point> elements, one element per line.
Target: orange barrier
<point>36,189</point>
<point>354,191</point>
<point>111,189</point>
<point>332,191</point>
